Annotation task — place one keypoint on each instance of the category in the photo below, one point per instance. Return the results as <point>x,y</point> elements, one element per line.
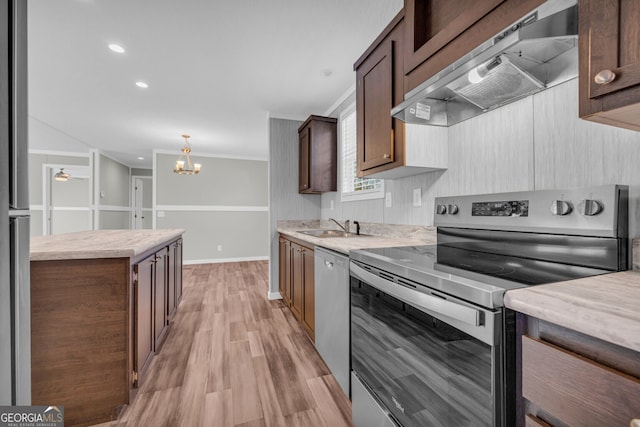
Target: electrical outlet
<point>417,197</point>
<point>160,214</point>
<point>219,248</point>
<point>387,200</point>
<point>331,205</point>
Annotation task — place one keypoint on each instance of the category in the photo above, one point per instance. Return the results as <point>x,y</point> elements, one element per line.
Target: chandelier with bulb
<point>189,168</point>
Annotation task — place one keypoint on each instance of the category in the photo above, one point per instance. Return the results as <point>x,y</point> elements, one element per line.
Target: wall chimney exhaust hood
<point>537,52</point>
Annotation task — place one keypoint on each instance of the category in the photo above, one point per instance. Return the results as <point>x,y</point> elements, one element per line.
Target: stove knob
<point>441,209</point>
<point>452,209</point>
<point>560,208</point>
<point>590,207</point>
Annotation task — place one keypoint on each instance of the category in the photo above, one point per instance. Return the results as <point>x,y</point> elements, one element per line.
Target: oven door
<point>428,358</point>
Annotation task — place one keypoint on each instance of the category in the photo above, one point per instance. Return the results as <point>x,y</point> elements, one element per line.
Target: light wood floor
<point>234,358</point>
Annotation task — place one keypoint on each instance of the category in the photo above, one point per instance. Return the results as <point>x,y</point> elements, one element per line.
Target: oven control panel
<point>504,208</point>
<point>592,211</point>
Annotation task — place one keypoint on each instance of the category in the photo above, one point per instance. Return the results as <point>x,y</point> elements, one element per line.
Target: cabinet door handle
<point>634,422</point>
<point>604,77</point>
<point>386,156</point>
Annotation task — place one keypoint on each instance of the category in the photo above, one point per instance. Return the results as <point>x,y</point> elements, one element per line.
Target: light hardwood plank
<point>234,358</point>
<point>325,390</point>
<point>218,410</point>
<point>246,401</point>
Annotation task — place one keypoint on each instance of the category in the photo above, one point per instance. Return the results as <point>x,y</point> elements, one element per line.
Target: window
<point>354,188</point>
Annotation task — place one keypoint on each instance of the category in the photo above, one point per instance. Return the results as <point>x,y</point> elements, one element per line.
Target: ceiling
<point>216,69</point>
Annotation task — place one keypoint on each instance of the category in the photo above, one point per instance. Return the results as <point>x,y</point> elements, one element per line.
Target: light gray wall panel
<point>402,210</point>
<point>241,234</point>
<point>284,200</point>
<point>141,172</point>
<point>75,192</point>
<point>35,171</point>
<point>221,182</point>
<point>365,210</point>
<point>114,220</point>
<point>70,221</point>
<point>491,153</point>
<point>114,182</point>
<point>35,224</point>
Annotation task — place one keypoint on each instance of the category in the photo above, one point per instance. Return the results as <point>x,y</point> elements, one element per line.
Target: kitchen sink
<point>329,233</point>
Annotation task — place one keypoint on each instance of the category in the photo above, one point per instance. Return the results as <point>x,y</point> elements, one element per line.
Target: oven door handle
<point>418,299</point>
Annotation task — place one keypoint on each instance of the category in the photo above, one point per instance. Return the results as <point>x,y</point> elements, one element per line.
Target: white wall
<point>536,143</point>
<point>72,199</point>
<point>112,197</point>
<point>224,209</point>
<point>78,202</point>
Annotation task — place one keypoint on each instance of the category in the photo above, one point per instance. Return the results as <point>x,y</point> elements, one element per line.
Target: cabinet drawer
<point>533,421</point>
<point>577,390</point>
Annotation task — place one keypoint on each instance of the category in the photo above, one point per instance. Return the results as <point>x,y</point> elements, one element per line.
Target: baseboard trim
<point>274,295</point>
<point>222,260</point>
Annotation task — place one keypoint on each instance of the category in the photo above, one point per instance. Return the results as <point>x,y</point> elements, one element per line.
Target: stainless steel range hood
<point>537,52</point>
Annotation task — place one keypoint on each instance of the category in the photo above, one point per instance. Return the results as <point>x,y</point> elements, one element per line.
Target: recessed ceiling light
<point>140,158</point>
<point>142,85</point>
<point>116,48</point>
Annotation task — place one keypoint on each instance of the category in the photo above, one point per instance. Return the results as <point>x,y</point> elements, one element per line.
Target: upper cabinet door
<point>374,102</point>
<point>609,47</point>
<point>432,24</point>
<point>614,44</point>
<point>304,181</point>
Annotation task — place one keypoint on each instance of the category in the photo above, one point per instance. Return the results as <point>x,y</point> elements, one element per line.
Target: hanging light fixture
<point>62,176</point>
<point>189,168</point>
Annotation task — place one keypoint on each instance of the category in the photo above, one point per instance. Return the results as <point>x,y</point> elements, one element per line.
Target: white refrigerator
<point>15,332</point>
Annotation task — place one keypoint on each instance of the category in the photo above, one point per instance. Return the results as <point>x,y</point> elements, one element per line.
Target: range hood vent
<point>537,52</point>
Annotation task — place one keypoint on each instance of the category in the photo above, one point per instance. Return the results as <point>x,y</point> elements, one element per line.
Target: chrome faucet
<point>344,227</point>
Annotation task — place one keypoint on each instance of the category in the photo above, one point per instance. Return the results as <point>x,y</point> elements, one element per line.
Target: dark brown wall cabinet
<point>380,86</point>
<point>318,161</point>
<point>439,32</point>
<point>609,48</point>
<point>296,275</point>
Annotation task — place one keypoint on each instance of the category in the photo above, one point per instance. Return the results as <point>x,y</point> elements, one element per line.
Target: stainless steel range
<point>431,341</point>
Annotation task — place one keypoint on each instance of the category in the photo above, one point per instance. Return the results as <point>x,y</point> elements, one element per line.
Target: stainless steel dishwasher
<point>332,294</point>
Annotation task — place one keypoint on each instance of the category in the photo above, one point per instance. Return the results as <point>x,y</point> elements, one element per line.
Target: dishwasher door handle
<point>418,299</point>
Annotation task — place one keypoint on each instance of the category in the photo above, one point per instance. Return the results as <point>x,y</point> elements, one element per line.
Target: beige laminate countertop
<point>346,244</point>
<point>605,307</point>
<point>99,244</point>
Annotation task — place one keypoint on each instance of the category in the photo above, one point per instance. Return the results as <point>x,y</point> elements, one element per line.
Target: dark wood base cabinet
<point>96,324</point>
<point>296,275</point>
<point>571,379</point>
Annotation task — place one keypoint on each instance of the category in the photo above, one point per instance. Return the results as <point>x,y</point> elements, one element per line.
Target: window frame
<point>352,196</point>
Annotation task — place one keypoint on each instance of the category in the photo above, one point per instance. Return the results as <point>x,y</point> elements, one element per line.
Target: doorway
<point>141,201</point>
<point>66,203</point>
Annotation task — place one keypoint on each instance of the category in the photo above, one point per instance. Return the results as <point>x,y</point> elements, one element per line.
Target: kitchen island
<point>101,305</point>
